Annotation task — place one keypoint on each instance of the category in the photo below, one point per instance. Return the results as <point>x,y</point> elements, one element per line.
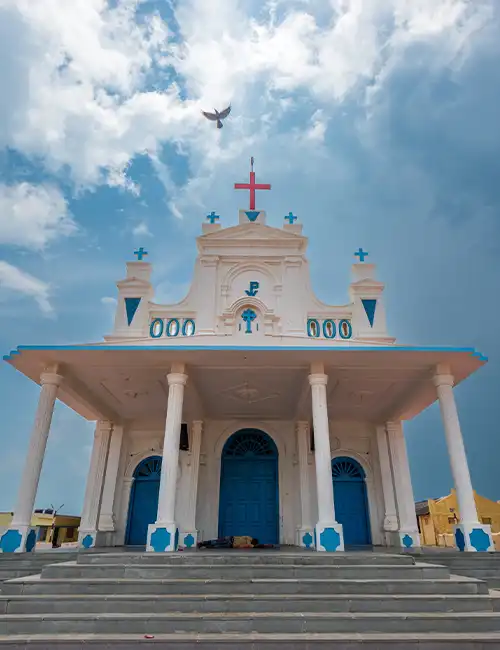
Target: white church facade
<point>248,408</point>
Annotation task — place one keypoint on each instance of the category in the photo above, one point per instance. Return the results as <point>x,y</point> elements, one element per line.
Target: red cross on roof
<point>252,186</point>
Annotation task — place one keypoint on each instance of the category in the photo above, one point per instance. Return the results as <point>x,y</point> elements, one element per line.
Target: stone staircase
<point>484,566</point>
<point>248,600</point>
<point>13,565</point>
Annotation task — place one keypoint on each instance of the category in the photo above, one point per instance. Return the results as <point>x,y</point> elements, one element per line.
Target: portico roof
<point>128,382</point>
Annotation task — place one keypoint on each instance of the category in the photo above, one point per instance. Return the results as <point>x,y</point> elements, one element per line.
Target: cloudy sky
<point>376,121</point>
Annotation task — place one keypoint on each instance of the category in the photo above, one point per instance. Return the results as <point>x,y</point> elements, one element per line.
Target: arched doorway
<point>143,504</point>
<point>351,502</point>
<point>249,490</point>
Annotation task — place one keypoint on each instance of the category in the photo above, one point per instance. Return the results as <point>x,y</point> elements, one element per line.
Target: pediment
<point>252,234</point>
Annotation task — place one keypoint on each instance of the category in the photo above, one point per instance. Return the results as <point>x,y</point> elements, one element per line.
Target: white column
<point>190,536</point>
<point>470,535</point>
<point>163,534</point>
<point>405,501</point>
<point>305,533</point>
<point>329,535</point>
<point>19,537</point>
<point>89,534</point>
<point>107,519</point>
<point>391,523</point>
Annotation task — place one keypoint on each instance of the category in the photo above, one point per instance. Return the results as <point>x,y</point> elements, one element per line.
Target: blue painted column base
<point>188,539</point>
<point>408,540</point>
<point>305,537</point>
<point>90,539</point>
<point>162,538</point>
<point>329,537</point>
<point>474,538</point>
<point>20,539</point>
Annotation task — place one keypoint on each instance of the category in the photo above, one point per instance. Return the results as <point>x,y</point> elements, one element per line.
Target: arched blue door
<point>351,502</point>
<point>249,503</point>
<point>143,500</point>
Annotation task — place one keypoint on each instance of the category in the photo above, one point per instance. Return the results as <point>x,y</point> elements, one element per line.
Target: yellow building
<point>50,528</point>
<point>437,517</point>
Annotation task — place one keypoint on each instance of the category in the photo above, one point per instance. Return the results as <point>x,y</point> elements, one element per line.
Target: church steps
<point>197,558</point>
<point>105,586</point>
<point>146,603</point>
<point>363,641</point>
<point>243,571</point>
<point>246,623</point>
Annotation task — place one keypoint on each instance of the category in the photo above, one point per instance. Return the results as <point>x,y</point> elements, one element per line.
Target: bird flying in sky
<point>218,117</point>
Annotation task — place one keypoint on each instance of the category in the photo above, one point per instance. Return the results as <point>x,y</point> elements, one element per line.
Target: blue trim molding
<point>348,327</point>
<point>156,328</point>
<point>313,326</point>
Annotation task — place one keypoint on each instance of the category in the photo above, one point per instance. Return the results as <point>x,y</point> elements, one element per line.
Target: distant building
<point>438,517</point>
<point>49,527</point>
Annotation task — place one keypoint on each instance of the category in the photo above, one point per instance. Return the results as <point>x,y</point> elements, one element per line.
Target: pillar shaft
<point>322,453</point>
<point>50,382</point>
<point>168,482</point>
<point>456,449</point>
<point>95,478</point>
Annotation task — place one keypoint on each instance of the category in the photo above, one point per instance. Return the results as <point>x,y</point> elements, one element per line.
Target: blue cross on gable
<point>212,217</point>
<point>140,253</point>
<point>361,254</point>
<point>248,316</point>
<point>290,217</point>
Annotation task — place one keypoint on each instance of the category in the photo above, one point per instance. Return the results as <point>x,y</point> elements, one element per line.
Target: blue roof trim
<point>198,348</point>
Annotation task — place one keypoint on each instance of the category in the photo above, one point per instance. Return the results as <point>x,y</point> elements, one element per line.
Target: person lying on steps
<point>238,541</point>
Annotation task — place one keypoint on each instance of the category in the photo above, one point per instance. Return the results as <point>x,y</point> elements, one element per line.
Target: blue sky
<point>376,122</point>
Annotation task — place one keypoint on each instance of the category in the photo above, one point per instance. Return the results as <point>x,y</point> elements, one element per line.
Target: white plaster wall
<point>354,439</point>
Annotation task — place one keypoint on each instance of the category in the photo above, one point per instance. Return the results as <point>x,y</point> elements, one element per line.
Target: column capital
<point>318,379</point>
<point>302,426</point>
<point>51,378</point>
<point>104,425</point>
<point>176,378</point>
<point>393,426</point>
<point>444,379</point>
<point>197,424</point>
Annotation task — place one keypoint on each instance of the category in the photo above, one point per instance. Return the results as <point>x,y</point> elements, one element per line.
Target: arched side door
<point>351,501</point>
<point>143,500</point>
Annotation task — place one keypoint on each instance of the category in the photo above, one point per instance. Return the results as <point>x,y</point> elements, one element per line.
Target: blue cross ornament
<point>361,254</point>
<point>248,316</point>
<point>212,217</point>
<point>140,253</point>
<point>290,217</point>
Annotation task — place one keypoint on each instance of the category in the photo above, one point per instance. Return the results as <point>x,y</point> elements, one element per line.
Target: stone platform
<point>248,600</point>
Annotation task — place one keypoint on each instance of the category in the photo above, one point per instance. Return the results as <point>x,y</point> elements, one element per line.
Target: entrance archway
<point>143,500</point>
<point>249,487</point>
<point>351,502</point>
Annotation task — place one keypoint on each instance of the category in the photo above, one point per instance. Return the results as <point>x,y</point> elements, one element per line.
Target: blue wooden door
<point>143,500</point>
<point>249,503</point>
<point>351,503</point>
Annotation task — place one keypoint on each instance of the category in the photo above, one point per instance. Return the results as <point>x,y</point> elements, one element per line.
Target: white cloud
<point>32,216</point>
<point>15,282</point>
<point>141,230</point>
<point>74,73</point>
<point>108,300</point>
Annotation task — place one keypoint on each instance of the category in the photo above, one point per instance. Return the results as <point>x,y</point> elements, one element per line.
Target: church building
<point>248,408</point>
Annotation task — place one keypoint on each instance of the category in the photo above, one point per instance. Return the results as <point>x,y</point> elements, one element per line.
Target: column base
<point>162,538</point>
<point>188,539</point>
<point>474,538</point>
<point>91,539</point>
<point>305,537</point>
<point>407,540</point>
<point>19,539</point>
<point>329,537</point>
